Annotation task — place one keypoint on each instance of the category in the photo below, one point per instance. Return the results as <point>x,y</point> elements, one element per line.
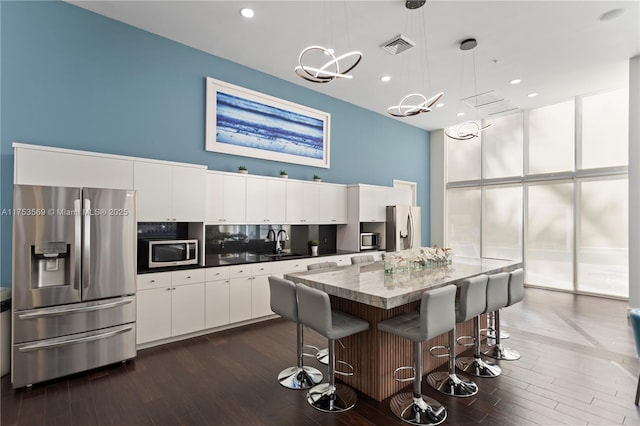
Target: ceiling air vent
<point>489,103</point>
<point>398,44</point>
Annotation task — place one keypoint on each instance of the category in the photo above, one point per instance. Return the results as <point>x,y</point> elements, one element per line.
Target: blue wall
<point>74,79</point>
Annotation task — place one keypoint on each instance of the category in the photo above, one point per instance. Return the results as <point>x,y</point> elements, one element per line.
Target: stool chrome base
<point>417,411</point>
<point>478,367</point>
<point>491,334</point>
<point>499,352</point>
<point>451,384</point>
<point>323,356</point>
<point>323,398</point>
<point>299,378</point>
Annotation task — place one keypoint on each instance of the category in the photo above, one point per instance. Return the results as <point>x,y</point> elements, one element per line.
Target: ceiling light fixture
<point>385,78</point>
<point>532,95</point>
<point>440,105</point>
<point>328,71</point>
<point>515,81</point>
<point>416,103</point>
<point>246,12</point>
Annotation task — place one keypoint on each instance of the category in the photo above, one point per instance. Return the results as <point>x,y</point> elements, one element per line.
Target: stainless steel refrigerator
<point>74,280</point>
<point>403,227</point>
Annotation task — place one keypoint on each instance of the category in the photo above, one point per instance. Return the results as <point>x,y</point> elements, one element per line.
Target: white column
<point>437,187</point>
<point>634,182</point>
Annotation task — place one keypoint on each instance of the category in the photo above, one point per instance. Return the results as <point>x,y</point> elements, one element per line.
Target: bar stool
<point>321,265</point>
<point>448,382</point>
<point>284,302</point>
<point>475,365</point>
<point>322,355</point>
<point>365,258</point>
<point>514,293</point>
<point>314,310</point>
<point>436,317</point>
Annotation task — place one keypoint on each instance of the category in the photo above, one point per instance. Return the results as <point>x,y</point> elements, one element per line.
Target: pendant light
<point>331,69</point>
<point>416,103</point>
<point>469,129</point>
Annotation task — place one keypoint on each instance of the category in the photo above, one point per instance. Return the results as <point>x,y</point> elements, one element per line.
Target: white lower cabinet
<point>216,304</point>
<point>169,304</point>
<point>260,293</point>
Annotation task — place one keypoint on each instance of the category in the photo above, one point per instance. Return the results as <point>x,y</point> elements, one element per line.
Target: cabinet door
<point>188,194</point>
<point>240,299</point>
<point>216,303</point>
<point>187,308</point>
<point>153,183</point>
<point>260,296</point>
<point>225,198</point>
<point>373,203</point>
<point>257,199</point>
<point>153,314</point>
<point>276,201</point>
<point>333,204</point>
<point>303,202</point>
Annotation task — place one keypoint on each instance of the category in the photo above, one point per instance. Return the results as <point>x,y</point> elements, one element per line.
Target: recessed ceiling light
<point>532,95</point>
<point>439,105</point>
<point>515,81</point>
<point>611,14</point>
<point>246,12</point>
<point>385,78</point>
<point>460,114</point>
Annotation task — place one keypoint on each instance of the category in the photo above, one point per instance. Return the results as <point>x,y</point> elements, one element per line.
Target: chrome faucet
<point>270,233</point>
<point>286,238</point>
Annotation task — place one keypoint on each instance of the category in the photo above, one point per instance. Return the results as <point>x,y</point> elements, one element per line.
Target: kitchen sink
<point>283,255</point>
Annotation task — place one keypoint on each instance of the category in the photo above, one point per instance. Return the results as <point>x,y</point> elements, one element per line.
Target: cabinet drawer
<point>189,276</point>
<point>263,268</point>
<point>238,271</point>
<point>215,274</point>
<point>154,280</point>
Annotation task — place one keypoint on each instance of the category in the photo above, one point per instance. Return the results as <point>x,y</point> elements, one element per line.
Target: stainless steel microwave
<point>369,240</point>
<point>159,253</point>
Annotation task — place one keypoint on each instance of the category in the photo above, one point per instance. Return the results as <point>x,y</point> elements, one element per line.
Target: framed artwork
<point>244,122</point>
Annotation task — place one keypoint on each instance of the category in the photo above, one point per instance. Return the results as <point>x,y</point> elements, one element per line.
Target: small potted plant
<point>314,247</point>
<point>243,170</point>
<point>283,174</point>
<point>317,178</point>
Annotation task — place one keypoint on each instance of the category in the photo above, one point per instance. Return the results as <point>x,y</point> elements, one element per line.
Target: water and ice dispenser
<point>50,264</point>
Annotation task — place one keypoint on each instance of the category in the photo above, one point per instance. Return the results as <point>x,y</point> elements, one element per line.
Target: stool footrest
<point>462,340</point>
<point>343,373</point>
<point>404,379</point>
<point>439,347</point>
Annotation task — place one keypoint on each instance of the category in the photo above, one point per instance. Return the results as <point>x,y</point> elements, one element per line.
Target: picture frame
<point>244,122</point>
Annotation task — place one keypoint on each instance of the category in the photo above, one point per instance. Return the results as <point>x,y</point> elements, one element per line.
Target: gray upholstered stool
<point>477,292</point>
<point>436,317</point>
<point>514,294</point>
<point>448,382</point>
<point>321,265</point>
<point>284,302</point>
<point>365,258</point>
<point>322,355</point>
<point>314,310</point>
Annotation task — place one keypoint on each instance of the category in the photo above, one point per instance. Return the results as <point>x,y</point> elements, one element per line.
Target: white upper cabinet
<point>303,202</point>
<point>333,204</point>
<point>373,201</point>
<point>226,198</point>
<point>36,165</point>
<point>169,193</point>
<point>266,200</point>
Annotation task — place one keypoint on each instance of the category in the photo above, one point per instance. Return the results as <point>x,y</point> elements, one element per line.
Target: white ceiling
<point>558,48</point>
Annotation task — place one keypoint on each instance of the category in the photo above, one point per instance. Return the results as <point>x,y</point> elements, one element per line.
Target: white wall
<point>634,182</point>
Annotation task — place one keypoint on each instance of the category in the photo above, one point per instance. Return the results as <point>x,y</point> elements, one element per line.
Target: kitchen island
<point>367,292</point>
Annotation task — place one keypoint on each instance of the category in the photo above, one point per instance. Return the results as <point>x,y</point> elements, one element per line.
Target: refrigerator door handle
<point>49,312</point>
<point>77,243</point>
<point>411,229</point>
<point>67,342</point>
<point>86,244</point>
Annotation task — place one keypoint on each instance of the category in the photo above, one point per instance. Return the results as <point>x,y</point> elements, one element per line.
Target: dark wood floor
<point>578,366</point>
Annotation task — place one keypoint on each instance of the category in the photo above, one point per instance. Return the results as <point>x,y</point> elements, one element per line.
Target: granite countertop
<point>368,284</point>
<point>214,260</point>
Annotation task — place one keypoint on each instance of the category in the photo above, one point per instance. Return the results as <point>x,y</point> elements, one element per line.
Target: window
<point>502,222</point>
<point>503,147</point>
<point>463,225</point>
<point>551,137</point>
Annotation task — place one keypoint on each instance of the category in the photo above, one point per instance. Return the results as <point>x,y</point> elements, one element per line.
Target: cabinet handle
<point>152,281</point>
<point>188,277</point>
<point>173,288</point>
<point>169,289</point>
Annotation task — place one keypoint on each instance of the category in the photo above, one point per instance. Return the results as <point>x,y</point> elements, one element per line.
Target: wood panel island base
<point>367,292</point>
